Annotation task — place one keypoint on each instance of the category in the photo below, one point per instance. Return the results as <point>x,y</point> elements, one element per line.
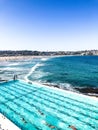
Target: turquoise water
<point>81,71</point>
<point>34,107</point>
<point>68,72</point>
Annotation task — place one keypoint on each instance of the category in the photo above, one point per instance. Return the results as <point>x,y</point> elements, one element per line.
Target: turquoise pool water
<point>35,107</point>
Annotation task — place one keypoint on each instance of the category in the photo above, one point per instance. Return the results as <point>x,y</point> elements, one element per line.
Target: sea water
<point>67,72</point>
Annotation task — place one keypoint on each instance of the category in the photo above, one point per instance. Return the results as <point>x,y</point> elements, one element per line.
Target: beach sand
<point>7,58</point>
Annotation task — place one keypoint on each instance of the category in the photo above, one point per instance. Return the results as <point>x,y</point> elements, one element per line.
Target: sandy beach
<point>8,58</point>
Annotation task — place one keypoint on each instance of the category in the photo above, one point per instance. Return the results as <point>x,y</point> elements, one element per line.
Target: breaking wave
<point>31,71</point>
<point>44,59</point>
<point>13,64</point>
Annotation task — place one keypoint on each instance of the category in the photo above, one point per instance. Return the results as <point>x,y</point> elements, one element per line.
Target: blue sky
<point>48,25</point>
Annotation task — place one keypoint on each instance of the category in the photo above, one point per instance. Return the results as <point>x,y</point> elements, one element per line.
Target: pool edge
<point>64,91</point>
<point>6,124</point>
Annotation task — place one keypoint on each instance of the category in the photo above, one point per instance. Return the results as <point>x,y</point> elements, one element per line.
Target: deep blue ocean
<point>66,72</point>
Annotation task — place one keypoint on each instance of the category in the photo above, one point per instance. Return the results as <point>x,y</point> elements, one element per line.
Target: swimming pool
<point>38,107</point>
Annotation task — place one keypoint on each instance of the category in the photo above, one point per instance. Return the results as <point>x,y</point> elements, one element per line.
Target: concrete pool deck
<point>6,124</point>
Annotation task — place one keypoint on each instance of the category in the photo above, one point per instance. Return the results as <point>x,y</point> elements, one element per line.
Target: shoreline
<point>93,92</point>
<point>87,91</point>
<point>64,90</point>
<point>9,58</point>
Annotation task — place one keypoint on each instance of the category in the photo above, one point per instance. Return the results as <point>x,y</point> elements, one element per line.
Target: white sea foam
<point>11,69</point>
<point>13,64</point>
<point>31,71</point>
<point>67,86</point>
<point>64,86</point>
<point>44,59</point>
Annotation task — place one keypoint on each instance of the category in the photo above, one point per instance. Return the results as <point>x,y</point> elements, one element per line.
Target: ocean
<point>74,73</point>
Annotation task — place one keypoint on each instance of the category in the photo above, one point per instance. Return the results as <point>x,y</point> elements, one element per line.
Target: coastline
<point>8,58</point>
<point>87,91</point>
<point>91,92</point>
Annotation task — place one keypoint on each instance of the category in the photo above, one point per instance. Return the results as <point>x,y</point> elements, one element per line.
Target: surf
<point>31,71</point>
